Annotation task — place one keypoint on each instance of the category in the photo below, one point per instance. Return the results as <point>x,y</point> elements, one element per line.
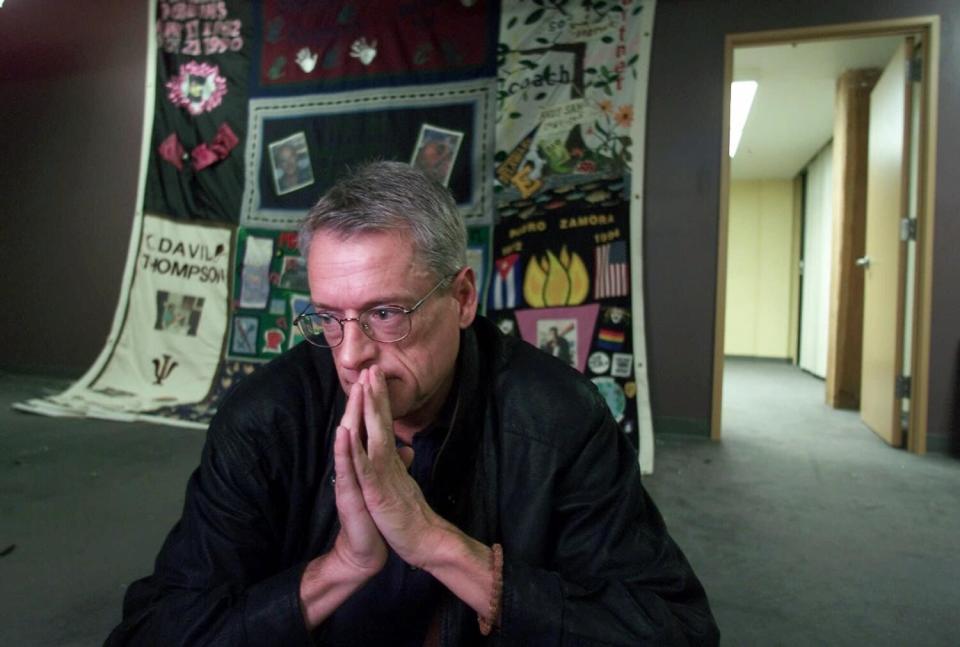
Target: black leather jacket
<point>533,460</point>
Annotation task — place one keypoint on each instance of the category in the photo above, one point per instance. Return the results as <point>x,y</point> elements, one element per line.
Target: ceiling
<point>792,114</point>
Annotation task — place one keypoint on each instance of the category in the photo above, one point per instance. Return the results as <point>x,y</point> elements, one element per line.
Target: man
<point>292,175</point>
<point>558,346</point>
<point>411,476</point>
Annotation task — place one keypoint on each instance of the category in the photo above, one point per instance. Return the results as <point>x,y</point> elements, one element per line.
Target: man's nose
<point>356,350</point>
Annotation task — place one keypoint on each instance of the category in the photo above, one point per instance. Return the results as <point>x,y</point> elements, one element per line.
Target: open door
<point>884,262</point>
<point>881,360</point>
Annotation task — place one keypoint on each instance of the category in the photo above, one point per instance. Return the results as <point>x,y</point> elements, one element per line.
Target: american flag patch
<point>612,275</point>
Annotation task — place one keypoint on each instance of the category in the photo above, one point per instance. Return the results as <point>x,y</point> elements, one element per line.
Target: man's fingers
<point>354,516</point>
<point>406,455</point>
<point>341,453</point>
<point>360,542</point>
<point>362,469</point>
<point>381,396</point>
<point>346,487</point>
<point>379,428</point>
<point>353,413</point>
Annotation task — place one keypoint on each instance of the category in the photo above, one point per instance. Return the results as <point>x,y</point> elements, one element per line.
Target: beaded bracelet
<point>486,623</point>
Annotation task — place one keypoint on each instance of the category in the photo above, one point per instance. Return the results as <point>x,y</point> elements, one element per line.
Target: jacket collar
<point>454,466</point>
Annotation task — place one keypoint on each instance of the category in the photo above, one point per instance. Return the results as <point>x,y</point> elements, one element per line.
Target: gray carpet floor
<point>803,526</point>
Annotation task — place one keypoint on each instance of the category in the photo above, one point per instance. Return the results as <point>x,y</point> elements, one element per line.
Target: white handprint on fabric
<point>363,50</point>
<point>307,60</point>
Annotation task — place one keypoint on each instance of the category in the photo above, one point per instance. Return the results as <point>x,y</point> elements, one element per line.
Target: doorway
<point>731,319</point>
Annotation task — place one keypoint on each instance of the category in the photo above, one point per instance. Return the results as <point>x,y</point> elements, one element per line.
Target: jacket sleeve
<point>217,579</point>
<point>611,575</point>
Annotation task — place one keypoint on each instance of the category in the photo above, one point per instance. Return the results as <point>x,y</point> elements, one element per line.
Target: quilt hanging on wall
<point>530,112</point>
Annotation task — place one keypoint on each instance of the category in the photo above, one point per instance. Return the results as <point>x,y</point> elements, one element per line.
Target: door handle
<point>863,261</point>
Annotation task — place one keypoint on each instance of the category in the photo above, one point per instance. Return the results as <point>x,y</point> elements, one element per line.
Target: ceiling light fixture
<point>741,99</point>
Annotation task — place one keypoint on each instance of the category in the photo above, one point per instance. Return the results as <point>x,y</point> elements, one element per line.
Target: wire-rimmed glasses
<point>386,324</point>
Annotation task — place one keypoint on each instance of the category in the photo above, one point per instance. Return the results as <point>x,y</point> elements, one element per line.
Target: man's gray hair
<point>393,196</point>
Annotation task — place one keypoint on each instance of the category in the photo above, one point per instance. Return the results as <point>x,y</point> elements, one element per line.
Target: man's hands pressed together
<point>393,498</point>
<point>380,504</point>
<point>372,483</point>
<point>359,543</point>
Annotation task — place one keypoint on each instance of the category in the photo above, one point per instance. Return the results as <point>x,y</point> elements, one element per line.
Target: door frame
<point>927,30</point>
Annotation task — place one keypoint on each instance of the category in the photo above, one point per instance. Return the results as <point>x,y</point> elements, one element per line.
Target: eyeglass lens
<point>384,324</point>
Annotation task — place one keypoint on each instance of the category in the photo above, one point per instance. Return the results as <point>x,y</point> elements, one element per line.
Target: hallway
<point>805,528</point>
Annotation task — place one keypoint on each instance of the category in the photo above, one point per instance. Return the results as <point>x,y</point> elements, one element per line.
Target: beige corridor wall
<point>759,268</point>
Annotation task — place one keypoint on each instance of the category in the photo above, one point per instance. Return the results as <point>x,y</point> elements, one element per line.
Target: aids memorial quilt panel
<point>270,290</point>
<point>195,168</point>
<point>298,146</point>
<point>171,339</point>
<point>528,111</point>
<point>565,100</point>
<point>309,47</point>
<point>561,281</point>
<point>566,246</point>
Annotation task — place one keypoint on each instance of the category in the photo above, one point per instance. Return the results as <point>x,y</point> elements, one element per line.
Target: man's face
<point>350,275</point>
<point>288,161</point>
<point>195,88</point>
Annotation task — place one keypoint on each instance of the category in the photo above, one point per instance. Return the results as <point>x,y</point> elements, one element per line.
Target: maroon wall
<point>684,126</point>
<point>71,109</point>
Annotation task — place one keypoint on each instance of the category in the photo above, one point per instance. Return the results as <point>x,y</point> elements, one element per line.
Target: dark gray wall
<point>71,86</point>
<point>71,109</point>
<point>684,125</point>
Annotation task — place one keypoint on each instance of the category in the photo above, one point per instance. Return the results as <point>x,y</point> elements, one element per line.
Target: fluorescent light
<point>741,98</point>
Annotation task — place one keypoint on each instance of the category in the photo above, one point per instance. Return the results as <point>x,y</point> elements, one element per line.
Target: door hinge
<point>915,69</point>
<point>908,229</point>
<point>902,387</point>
